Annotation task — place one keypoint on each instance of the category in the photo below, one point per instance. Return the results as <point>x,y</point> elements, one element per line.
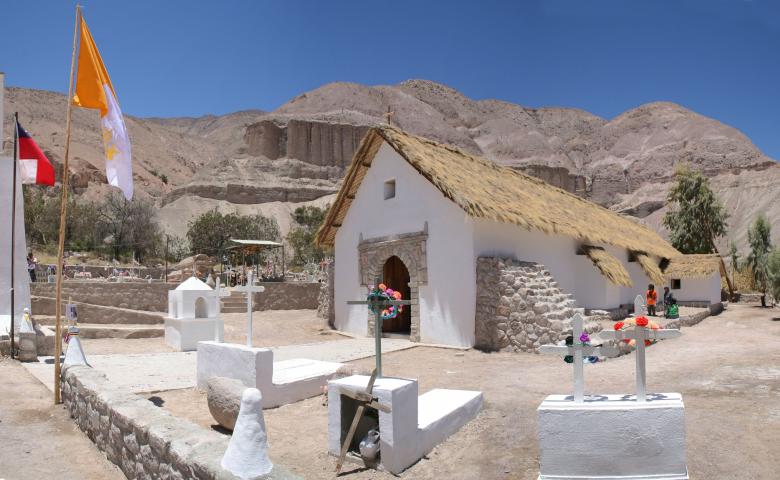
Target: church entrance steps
<point>43,307</point>
<point>235,303</point>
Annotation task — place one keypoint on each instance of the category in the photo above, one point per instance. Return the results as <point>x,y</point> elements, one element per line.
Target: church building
<point>481,250</point>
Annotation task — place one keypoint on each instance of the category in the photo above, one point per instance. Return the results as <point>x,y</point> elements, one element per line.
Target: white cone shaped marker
<point>247,454</point>
<point>75,354</point>
<point>26,325</point>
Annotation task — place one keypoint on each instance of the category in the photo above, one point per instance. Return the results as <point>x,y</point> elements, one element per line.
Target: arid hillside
<point>272,161</point>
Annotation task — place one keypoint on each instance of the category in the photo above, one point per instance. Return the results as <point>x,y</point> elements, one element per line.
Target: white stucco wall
<point>447,302</point>
<point>698,289</point>
<point>574,273</point>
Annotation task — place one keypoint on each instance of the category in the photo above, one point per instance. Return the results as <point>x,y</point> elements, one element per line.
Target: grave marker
<point>639,306</point>
<point>220,293</point>
<point>640,334</point>
<point>578,350</point>
<point>249,289</point>
<point>377,305</point>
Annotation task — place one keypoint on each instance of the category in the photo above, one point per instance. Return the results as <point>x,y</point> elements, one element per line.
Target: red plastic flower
<point>642,321</point>
<point>619,326</point>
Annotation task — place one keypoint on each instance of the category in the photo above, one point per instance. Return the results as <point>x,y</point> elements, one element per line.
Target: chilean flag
<point>33,164</point>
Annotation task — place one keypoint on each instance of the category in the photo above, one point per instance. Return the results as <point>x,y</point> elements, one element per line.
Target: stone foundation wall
<point>145,441</point>
<point>151,297</point>
<point>520,307</point>
<point>326,297</point>
<point>287,296</point>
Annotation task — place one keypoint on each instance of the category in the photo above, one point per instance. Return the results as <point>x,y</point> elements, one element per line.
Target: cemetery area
<point>725,368</point>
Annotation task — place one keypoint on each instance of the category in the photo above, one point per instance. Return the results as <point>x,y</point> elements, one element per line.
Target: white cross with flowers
<point>579,349</point>
<point>640,332</point>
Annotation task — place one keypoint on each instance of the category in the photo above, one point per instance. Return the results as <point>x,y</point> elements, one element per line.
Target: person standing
<point>32,262</point>
<point>651,299</point>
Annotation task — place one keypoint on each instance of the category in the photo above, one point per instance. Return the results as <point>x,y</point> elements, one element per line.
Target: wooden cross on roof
<point>578,350</point>
<point>640,334</point>
<point>250,290</point>
<point>377,305</point>
<point>388,115</point>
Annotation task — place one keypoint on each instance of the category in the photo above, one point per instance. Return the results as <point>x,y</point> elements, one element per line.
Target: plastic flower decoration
<point>381,294</point>
<point>638,322</point>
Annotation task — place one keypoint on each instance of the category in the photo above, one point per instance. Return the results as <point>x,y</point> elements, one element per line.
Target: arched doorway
<point>396,276</point>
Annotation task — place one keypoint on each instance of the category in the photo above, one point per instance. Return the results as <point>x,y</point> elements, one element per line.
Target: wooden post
<point>63,216</point>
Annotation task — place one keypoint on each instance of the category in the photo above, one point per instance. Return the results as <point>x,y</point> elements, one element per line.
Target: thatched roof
<point>650,268</point>
<point>608,265</point>
<point>693,266</point>
<point>489,191</point>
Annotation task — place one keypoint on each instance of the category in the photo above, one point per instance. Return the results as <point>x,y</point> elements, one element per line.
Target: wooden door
<point>396,276</point>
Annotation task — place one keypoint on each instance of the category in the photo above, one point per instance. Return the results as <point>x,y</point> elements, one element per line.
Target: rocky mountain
<point>272,161</point>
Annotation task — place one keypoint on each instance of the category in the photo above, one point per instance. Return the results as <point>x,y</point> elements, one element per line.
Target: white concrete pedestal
<point>612,437</point>
<point>280,383</point>
<point>415,424</point>
<point>183,334</point>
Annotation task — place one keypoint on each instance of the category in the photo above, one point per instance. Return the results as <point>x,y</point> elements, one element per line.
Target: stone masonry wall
<point>520,307</point>
<point>152,297</point>
<point>325,308</point>
<point>287,296</point>
<point>145,441</point>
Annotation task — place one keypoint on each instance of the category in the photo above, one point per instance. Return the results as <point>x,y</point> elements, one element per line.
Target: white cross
<point>639,306</point>
<point>249,289</point>
<point>220,293</point>
<point>577,350</point>
<point>640,334</point>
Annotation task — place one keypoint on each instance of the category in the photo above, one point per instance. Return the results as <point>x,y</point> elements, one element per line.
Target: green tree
<point>734,255</point>
<point>301,238</point>
<point>696,217</point>
<point>127,227</point>
<point>759,238</point>
<point>210,233</point>
<point>773,269</point>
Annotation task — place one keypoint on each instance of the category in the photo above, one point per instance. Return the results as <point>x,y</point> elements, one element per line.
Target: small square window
<point>676,284</point>
<point>389,189</point>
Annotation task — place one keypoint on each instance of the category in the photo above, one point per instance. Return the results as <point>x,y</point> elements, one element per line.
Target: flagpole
<point>13,234</point>
<point>63,214</point>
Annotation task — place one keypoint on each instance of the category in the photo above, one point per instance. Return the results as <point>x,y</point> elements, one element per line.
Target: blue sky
<point>720,58</point>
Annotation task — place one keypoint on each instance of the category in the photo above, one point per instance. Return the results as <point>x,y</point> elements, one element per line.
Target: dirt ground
<point>727,369</point>
<point>38,439</point>
<point>270,328</point>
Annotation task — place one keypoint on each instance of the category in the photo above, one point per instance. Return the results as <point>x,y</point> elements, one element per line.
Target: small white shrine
<point>193,315</point>
<point>612,437</point>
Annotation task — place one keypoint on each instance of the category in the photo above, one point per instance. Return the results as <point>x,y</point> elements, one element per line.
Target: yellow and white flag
<point>94,90</point>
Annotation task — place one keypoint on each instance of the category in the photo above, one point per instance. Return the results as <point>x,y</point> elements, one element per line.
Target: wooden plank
<point>355,422</point>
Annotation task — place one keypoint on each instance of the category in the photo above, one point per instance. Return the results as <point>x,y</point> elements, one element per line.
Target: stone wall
<point>520,307</point>
<point>288,296</point>
<point>152,297</point>
<point>325,308</point>
<point>145,441</point>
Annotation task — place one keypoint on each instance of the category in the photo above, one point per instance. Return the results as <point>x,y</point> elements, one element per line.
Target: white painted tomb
<point>193,315</point>
<point>284,382</point>
<point>247,454</point>
<point>413,426</point>
<point>639,306</point>
<point>613,437</point>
